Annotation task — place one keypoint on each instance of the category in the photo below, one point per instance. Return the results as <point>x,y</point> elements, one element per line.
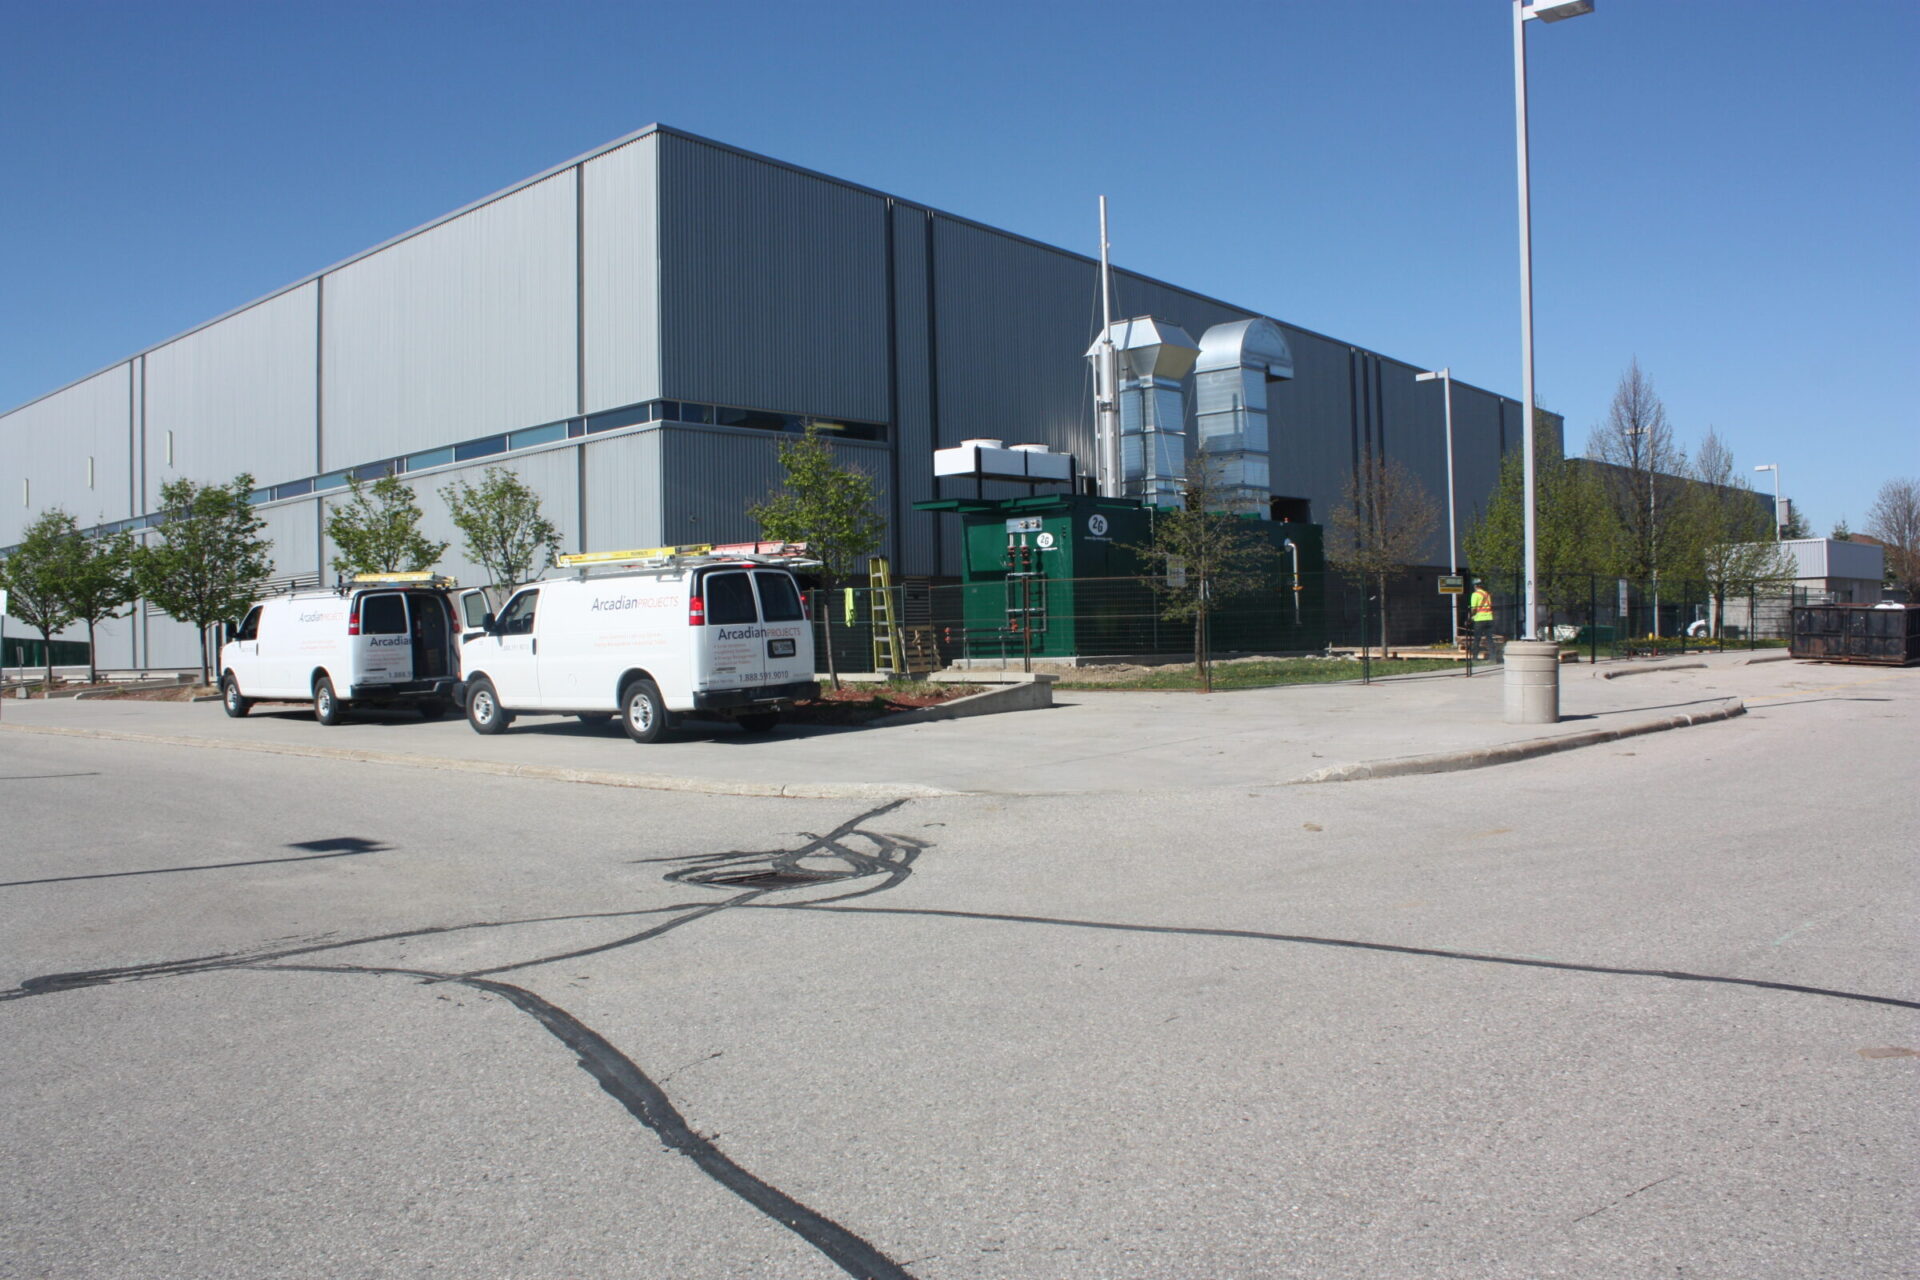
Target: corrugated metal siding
<point>47,444</point>
<point>622,249</point>
<point>710,477</point>
<point>461,331</point>
<point>1476,451</point>
<point>1413,433</point>
<point>773,286</point>
<point>237,395</point>
<point>295,532</point>
<point>1310,423</point>
<point>623,492</point>
<point>916,540</point>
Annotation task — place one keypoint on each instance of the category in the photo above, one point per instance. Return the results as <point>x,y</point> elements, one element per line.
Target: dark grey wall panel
<point>917,534</point>
<point>1310,423</point>
<point>710,475</point>
<point>772,286</point>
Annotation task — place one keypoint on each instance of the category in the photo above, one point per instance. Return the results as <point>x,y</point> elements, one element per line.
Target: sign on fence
<point>1452,584</point>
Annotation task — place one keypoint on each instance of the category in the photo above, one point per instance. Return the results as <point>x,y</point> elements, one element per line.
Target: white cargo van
<point>648,636</point>
<point>379,640</point>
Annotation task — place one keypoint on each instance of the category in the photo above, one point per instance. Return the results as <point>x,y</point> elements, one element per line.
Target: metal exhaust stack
<point>1236,362</point>
<point>1152,357</point>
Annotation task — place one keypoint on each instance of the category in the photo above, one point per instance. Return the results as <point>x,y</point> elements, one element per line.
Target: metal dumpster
<point>1887,636</point>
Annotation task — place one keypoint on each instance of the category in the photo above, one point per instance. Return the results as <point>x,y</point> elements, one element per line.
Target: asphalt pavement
<point>1088,742</point>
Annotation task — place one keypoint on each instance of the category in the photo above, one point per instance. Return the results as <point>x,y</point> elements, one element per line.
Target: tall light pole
<point>1453,553</point>
<point>1775,468</point>
<point>1545,11</point>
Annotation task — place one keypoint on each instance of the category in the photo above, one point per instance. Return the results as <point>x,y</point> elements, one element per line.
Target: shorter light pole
<point>1453,551</point>
<point>1775,468</point>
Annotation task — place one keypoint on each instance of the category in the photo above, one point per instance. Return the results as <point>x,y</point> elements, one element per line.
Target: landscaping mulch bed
<point>861,703</point>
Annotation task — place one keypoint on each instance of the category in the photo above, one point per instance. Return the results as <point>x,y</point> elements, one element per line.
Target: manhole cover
<point>767,879</point>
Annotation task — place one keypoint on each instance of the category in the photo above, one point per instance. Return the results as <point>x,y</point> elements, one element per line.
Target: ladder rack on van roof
<point>689,555</point>
<point>417,578</point>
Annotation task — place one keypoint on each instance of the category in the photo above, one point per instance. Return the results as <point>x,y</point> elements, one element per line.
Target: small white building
<point>1826,571</point>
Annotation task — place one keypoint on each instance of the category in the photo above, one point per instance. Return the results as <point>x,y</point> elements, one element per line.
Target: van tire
<point>235,705</point>
<point>642,714</point>
<point>758,722</point>
<point>484,711</point>
<point>326,707</point>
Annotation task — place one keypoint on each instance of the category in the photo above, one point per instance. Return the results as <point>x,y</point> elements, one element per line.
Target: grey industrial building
<point>631,332</point>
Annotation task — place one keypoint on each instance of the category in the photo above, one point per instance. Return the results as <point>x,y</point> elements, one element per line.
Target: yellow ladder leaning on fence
<point>887,642</point>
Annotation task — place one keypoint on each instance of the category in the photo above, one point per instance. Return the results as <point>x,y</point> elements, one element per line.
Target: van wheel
<point>484,711</point>
<point>642,714</point>
<point>230,698</point>
<point>326,707</point>
<point>758,722</point>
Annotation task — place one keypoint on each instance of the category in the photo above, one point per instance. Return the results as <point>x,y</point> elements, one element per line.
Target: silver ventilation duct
<point>1236,362</point>
<point>1152,358</point>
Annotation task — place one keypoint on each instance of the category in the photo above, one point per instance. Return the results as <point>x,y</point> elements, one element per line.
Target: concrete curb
<point>1767,657</point>
<point>1616,673</point>
<point>593,777</point>
<point>1507,752</point>
<point>1027,695</point>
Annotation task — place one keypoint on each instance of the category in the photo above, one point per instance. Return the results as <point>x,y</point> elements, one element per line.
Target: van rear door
<point>383,648</point>
<point>788,647</point>
<point>730,650</point>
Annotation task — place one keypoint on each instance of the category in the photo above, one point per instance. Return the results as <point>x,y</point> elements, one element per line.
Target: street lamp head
<point>1429,377</point>
<point>1767,466</point>
<point>1556,10</point>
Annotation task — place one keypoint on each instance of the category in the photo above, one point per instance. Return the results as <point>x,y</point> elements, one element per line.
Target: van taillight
<point>353,619</point>
<point>696,612</point>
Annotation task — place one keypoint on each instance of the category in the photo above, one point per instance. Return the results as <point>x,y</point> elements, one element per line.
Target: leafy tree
<point>35,577</point>
<point>1381,526</point>
<point>1204,556</point>
<point>1647,475</point>
<point>1726,537</point>
<point>208,559</point>
<point>1894,518</point>
<point>1577,534</point>
<point>829,507</point>
<point>378,530</point>
<point>1795,525</point>
<point>100,585</point>
<point>500,519</point>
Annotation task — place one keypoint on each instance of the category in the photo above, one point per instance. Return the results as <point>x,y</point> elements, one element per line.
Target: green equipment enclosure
<point>1058,576</point>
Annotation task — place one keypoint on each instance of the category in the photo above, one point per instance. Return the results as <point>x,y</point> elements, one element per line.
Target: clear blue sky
<point>1725,190</point>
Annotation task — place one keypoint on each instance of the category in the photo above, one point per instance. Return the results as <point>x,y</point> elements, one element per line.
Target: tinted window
<point>250,629</point>
<point>475,603</point>
<point>383,616</point>
<point>779,602</point>
<point>729,598</point>
<point>518,619</point>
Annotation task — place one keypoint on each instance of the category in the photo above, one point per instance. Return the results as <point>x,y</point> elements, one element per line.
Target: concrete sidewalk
<point>1086,743</point>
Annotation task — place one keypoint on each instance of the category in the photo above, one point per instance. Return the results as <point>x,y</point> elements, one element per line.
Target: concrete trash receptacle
<point>1533,682</point>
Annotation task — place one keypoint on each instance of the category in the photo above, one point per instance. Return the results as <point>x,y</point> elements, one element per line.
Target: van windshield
<point>779,602</point>
<point>729,598</point>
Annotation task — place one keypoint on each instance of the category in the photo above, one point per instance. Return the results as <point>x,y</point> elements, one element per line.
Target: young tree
<point>35,577</point>
<point>1202,557</point>
<point>500,519</point>
<point>1577,535</point>
<point>100,586</point>
<point>1841,533</point>
<point>830,508</point>
<point>1645,484</point>
<point>1380,527</point>
<point>1726,536</point>
<point>1795,525</point>
<point>1894,518</point>
<point>378,530</point>
<point>208,560</point>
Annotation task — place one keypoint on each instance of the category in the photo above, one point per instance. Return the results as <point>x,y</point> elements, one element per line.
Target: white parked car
<point>386,640</point>
<point>648,636</point>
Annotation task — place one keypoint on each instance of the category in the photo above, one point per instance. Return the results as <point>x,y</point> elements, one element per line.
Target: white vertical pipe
<point>1106,412</point>
<point>1531,622</point>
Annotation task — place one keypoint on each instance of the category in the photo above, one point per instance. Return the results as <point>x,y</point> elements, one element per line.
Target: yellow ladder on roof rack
<point>887,642</point>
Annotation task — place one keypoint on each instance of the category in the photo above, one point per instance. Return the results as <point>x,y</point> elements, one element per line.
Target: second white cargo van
<point>648,636</point>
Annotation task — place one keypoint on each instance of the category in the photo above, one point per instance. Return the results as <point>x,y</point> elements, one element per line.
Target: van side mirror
<point>490,625</point>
